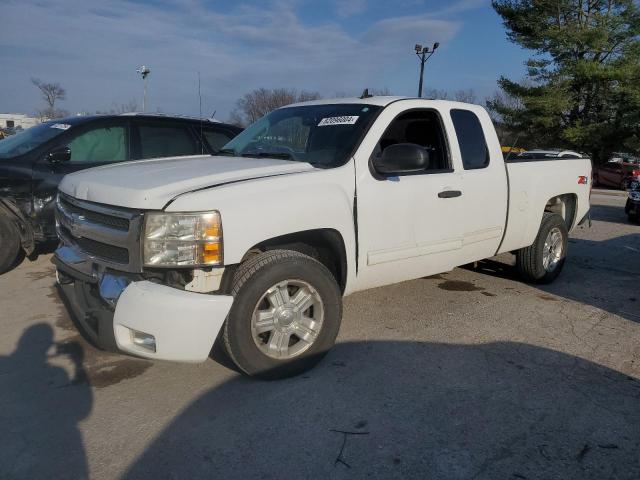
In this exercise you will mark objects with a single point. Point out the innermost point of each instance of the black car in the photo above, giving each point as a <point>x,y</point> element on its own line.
<point>632,208</point>
<point>32,164</point>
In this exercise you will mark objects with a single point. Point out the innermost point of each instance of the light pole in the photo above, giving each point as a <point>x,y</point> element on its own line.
<point>424,54</point>
<point>144,71</point>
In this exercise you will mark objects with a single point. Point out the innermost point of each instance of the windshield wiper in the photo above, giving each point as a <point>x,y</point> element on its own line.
<point>279,155</point>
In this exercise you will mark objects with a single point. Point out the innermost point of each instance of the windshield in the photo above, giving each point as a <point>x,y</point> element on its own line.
<point>322,135</point>
<point>33,137</point>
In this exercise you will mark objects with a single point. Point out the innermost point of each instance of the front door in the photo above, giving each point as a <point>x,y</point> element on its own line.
<point>409,225</point>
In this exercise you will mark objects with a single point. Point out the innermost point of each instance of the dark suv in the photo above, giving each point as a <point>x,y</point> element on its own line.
<point>33,162</point>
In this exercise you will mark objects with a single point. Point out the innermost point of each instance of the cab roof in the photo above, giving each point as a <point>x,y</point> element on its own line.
<point>381,101</point>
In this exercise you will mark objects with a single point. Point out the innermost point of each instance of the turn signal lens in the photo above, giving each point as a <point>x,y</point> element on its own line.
<point>211,253</point>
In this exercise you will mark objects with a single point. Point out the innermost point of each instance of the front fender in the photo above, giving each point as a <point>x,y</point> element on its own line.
<point>255,211</point>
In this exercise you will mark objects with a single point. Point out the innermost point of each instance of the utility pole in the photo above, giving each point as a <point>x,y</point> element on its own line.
<point>424,54</point>
<point>144,71</point>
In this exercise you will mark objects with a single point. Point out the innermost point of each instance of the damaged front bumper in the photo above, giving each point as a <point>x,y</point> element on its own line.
<point>126,313</point>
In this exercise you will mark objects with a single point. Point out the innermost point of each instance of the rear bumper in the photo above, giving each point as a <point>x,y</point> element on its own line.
<point>184,325</point>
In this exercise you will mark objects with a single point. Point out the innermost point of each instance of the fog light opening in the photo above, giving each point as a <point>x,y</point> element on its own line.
<point>144,340</point>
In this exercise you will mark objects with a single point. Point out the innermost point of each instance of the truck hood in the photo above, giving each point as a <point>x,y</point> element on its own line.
<point>152,184</point>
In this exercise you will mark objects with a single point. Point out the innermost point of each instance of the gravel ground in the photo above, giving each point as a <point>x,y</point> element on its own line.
<point>470,374</point>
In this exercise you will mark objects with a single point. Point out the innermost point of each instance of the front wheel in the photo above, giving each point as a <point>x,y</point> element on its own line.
<point>542,262</point>
<point>285,316</point>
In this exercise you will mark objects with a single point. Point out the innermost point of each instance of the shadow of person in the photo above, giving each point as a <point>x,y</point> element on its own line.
<point>40,407</point>
<point>411,410</point>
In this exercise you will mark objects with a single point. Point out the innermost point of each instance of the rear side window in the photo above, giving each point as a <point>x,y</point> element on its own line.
<point>217,139</point>
<point>99,145</point>
<point>163,141</point>
<point>473,145</point>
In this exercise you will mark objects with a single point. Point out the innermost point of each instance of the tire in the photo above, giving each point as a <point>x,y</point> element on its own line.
<point>281,275</point>
<point>531,262</point>
<point>10,247</point>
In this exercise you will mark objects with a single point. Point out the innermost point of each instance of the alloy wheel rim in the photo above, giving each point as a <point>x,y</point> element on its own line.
<point>553,250</point>
<point>287,319</point>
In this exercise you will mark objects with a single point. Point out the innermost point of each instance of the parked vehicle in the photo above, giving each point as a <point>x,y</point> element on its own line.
<point>33,162</point>
<point>617,173</point>
<point>311,203</point>
<point>632,208</point>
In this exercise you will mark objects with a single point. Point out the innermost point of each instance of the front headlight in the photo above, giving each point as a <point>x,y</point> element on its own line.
<point>182,239</point>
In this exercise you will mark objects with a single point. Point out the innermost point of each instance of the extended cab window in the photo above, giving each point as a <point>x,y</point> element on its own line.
<point>100,145</point>
<point>166,141</point>
<point>473,145</point>
<point>421,127</point>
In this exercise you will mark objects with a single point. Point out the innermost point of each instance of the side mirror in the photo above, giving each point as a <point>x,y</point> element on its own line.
<point>402,158</point>
<point>59,155</point>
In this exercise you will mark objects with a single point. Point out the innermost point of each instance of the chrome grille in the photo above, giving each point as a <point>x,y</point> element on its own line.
<point>96,217</point>
<point>109,236</point>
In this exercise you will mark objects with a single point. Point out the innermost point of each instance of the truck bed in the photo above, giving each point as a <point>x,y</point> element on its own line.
<point>539,184</point>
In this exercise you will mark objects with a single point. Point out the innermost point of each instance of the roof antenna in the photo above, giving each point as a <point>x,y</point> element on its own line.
<point>366,94</point>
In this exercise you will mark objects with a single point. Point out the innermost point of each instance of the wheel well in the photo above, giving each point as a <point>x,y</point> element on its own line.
<point>10,211</point>
<point>565,206</point>
<point>325,245</point>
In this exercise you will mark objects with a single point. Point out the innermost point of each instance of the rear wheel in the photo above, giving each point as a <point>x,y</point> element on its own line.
<point>542,262</point>
<point>10,248</point>
<point>285,316</point>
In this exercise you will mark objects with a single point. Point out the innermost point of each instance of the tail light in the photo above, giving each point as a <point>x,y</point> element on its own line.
<point>636,173</point>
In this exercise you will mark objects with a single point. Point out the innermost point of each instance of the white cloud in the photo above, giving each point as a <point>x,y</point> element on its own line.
<point>348,8</point>
<point>93,48</point>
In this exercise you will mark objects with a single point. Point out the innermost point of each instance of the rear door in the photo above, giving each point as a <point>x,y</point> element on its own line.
<point>477,154</point>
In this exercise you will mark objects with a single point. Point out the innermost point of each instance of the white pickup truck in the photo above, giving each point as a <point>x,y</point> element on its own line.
<point>255,247</point>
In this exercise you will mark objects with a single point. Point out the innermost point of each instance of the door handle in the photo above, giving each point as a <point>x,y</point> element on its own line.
<point>450,194</point>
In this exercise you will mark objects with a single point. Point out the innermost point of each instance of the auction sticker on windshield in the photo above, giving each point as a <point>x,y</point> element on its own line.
<point>348,120</point>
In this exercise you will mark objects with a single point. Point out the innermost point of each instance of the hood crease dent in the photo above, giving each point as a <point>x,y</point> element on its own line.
<point>154,184</point>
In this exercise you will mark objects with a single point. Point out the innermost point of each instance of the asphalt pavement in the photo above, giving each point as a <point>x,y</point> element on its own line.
<point>469,374</point>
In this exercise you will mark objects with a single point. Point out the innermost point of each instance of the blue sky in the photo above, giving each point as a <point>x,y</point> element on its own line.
<point>93,47</point>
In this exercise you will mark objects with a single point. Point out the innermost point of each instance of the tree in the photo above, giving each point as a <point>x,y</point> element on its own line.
<point>466,96</point>
<point>257,103</point>
<point>117,109</point>
<point>582,89</point>
<point>51,93</point>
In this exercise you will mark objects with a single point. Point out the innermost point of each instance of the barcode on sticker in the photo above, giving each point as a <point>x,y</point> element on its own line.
<point>349,120</point>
